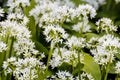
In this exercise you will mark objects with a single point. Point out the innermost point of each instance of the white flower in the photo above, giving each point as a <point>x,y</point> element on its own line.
<point>87,76</point>
<point>16,3</point>
<point>106,24</point>
<point>25,74</point>
<point>102,56</point>
<point>3,46</point>
<point>85,10</point>
<point>109,40</point>
<point>107,46</point>
<point>64,75</point>
<point>117,67</point>
<point>23,69</point>
<point>19,17</point>
<point>55,33</point>
<point>14,29</point>
<point>81,27</point>
<point>63,55</point>
<point>74,42</point>
<point>25,47</point>
<point>55,61</point>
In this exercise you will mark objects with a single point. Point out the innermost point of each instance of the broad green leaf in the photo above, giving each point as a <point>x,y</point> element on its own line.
<point>28,8</point>
<point>43,76</point>
<point>112,68</point>
<point>118,56</point>
<point>77,2</point>
<point>65,67</point>
<point>32,26</point>
<point>78,69</point>
<point>40,47</point>
<point>91,67</point>
<point>90,35</point>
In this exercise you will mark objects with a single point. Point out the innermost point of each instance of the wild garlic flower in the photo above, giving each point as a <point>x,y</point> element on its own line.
<point>106,24</point>
<point>64,75</point>
<point>7,65</point>
<point>13,29</point>
<point>22,43</point>
<point>55,33</point>
<point>75,42</point>
<point>19,17</point>
<point>106,48</point>
<point>102,56</point>
<point>62,55</point>
<point>81,27</point>
<point>43,7</point>
<point>52,12</point>
<point>23,69</point>
<point>16,3</point>
<point>1,12</point>
<point>3,46</point>
<point>109,41</point>
<point>25,47</point>
<point>85,10</point>
<point>85,76</point>
<point>57,16</point>
<point>25,74</point>
<point>117,67</point>
<point>17,6</point>
<point>92,43</point>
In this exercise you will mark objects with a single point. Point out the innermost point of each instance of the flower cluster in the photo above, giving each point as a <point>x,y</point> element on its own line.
<point>106,24</point>
<point>16,5</point>
<point>55,33</point>
<point>106,49</point>
<point>23,69</point>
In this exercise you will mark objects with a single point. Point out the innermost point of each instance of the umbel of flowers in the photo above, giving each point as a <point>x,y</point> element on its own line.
<point>68,52</point>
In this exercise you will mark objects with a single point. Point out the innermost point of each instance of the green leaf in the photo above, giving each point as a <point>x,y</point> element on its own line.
<point>91,67</point>
<point>28,8</point>
<point>77,2</point>
<point>90,35</point>
<point>78,69</point>
<point>65,66</point>
<point>31,24</point>
<point>112,68</point>
<point>32,28</point>
<point>40,47</point>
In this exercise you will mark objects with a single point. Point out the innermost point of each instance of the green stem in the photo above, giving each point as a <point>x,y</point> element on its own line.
<point>102,71</point>
<point>107,68</point>
<point>117,77</point>
<point>5,53</point>
<point>59,50</point>
<point>49,57</point>
<point>79,64</point>
<point>30,75</point>
<point>108,5</point>
<point>9,50</point>
<point>11,47</point>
